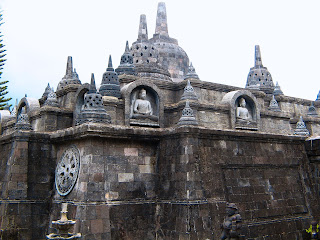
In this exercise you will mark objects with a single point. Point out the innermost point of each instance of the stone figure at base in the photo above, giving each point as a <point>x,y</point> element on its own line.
<point>232,223</point>
<point>242,111</point>
<point>142,107</point>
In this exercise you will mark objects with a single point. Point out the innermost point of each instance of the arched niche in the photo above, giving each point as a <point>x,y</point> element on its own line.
<point>131,92</point>
<point>243,117</point>
<point>80,100</point>
<point>29,104</point>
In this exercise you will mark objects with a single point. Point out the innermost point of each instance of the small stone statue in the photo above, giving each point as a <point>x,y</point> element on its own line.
<point>242,111</point>
<point>142,107</point>
<point>232,223</point>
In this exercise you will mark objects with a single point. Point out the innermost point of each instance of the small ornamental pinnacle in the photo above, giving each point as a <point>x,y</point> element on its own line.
<point>46,91</point>
<point>187,117</point>
<point>51,99</point>
<point>312,111</point>
<point>110,85</point>
<point>126,63</point>
<point>189,92</point>
<point>274,106</point>
<point>301,128</point>
<point>191,73</point>
<point>277,90</point>
<point>71,76</point>
<point>23,121</point>
<point>92,110</point>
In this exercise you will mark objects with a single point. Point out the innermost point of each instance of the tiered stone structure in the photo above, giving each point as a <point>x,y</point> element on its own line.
<point>126,64</point>
<point>110,85</point>
<point>259,77</point>
<point>142,175</point>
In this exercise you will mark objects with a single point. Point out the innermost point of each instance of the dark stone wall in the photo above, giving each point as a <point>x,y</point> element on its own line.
<point>139,183</point>
<point>27,181</point>
<point>115,191</point>
<point>269,178</point>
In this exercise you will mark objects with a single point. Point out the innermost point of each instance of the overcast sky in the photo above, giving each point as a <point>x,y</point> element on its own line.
<point>218,36</point>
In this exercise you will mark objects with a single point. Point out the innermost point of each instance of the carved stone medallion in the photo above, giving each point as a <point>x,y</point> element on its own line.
<point>67,170</point>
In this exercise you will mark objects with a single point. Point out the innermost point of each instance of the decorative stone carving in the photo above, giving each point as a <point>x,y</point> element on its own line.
<point>126,64</point>
<point>244,110</point>
<point>277,90</point>
<point>274,106</point>
<point>92,110</point>
<point>189,92</point>
<point>67,170</point>
<point>187,117</point>
<point>312,111</point>
<point>51,99</point>
<point>232,223</point>
<point>71,76</point>
<point>23,121</point>
<point>301,128</point>
<point>191,73</point>
<point>110,85</point>
<point>142,110</point>
<point>259,78</point>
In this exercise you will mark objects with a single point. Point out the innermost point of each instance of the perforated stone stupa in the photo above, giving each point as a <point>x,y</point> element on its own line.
<point>158,153</point>
<point>259,77</point>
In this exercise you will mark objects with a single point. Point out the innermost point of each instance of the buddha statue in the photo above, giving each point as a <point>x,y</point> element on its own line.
<point>142,107</point>
<point>242,113</point>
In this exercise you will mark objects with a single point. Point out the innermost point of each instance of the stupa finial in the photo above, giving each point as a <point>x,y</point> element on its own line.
<point>92,88</point>
<point>127,47</point>
<point>110,67</point>
<point>161,23</point>
<point>69,70</point>
<point>143,30</point>
<point>257,57</point>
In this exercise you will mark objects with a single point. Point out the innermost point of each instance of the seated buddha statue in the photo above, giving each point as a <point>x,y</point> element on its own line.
<point>142,107</point>
<point>242,113</point>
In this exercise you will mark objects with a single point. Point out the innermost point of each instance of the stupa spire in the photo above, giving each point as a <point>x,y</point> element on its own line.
<point>127,47</point>
<point>143,30</point>
<point>92,88</point>
<point>69,70</point>
<point>161,23</point>
<point>257,57</point>
<point>110,67</point>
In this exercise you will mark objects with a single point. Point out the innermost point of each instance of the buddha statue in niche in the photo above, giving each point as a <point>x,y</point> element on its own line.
<point>242,113</point>
<point>142,108</point>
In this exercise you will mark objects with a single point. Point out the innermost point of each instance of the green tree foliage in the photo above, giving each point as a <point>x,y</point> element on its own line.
<point>3,87</point>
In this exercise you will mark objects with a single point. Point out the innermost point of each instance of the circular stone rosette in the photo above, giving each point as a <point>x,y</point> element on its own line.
<point>67,170</point>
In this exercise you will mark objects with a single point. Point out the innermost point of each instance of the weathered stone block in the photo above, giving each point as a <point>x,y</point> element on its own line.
<point>125,177</point>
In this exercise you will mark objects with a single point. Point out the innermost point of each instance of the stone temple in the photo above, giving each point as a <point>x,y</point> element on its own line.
<point>158,153</point>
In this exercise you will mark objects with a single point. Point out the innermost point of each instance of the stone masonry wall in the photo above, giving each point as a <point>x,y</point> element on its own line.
<point>26,186</point>
<point>115,189</point>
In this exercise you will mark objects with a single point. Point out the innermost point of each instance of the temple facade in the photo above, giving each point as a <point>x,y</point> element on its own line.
<point>156,152</point>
